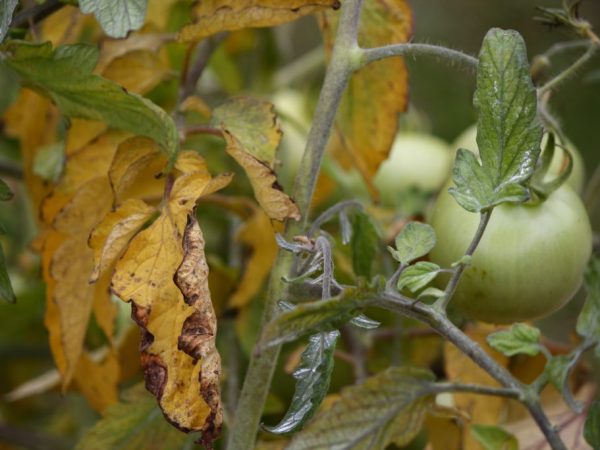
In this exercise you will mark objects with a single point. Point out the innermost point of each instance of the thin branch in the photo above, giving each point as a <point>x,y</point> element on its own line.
<point>478,389</point>
<point>391,283</point>
<point>203,129</point>
<point>36,13</point>
<point>407,49</point>
<point>458,271</point>
<point>569,71</point>
<point>561,47</point>
<point>331,213</point>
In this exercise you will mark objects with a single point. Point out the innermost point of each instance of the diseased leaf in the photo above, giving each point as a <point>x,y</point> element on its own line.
<point>591,430</point>
<point>7,7</point>
<point>312,375</point>
<point>5,192</point>
<point>213,16</point>
<point>387,408</point>
<point>322,315</point>
<point>418,276</point>
<point>258,233</point>
<point>494,438</point>
<point>117,17</point>
<point>134,424</point>
<point>110,237</point>
<point>6,291</point>
<point>178,355</point>
<point>508,129</point>
<point>588,322</point>
<point>198,335</point>
<point>520,338</point>
<point>414,241</point>
<point>367,120</point>
<point>252,135</point>
<point>65,75</point>
<point>364,244</point>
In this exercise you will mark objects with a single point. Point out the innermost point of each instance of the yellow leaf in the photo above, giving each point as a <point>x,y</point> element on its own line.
<point>64,26</point>
<point>212,16</point>
<point>137,161</point>
<point>368,115</point>
<point>111,236</point>
<point>258,234</point>
<point>252,135</point>
<point>82,132</point>
<point>138,71</point>
<point>111,49</point>
<point>98,380</point>
<point>484,410</point>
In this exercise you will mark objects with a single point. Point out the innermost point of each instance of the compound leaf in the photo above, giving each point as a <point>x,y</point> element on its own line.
<point>387,408</point>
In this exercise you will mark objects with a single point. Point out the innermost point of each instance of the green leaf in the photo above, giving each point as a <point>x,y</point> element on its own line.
<point>591,430</point>
<point>494,438</point>
<point>520,338</point>
<point>49,161</point>
<point>5,192</point>
<point>7,7</point>
<point>323,315</point>
<point>558,369</point>
<point>431,292</point>
<point>65,75</point>
<point>364,244</point>
<point>415,240</point>
<point>313,375</point>
<point>135,424</point>
<point>6,291</point>
<point>508,129</point>
<point>387,408</point>
<point>116,17</point>
<point>588,322</point>
<point>418,276</point>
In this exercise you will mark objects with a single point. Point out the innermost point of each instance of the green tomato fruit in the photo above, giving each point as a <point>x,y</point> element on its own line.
<point>416,161</point>
<point>467,140</point>
<point>529,262</point>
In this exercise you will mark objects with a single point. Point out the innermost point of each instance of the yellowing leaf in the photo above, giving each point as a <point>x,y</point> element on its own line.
<point>368,115</point>
<point>136,161</point>
<point>111,49</point>
<point>138,71</point>
<point>252,134</point>
<point>98,380</point>
<point>484,410</point>
<point>111,236</point>
<point>82,132</point>
<point>258,234</point>
<point>212,16</point>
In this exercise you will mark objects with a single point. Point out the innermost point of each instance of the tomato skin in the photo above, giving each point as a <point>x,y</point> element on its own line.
<point>529,263</point>
<point>416,160</point>
<point>467,139</point>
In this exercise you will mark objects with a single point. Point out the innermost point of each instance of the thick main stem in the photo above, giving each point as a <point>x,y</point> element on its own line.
<point>260,370</point>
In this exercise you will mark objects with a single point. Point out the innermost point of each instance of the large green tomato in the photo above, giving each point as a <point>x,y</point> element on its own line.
<point>467,139</point>
<point>416,160</point>
<point>529,262</point>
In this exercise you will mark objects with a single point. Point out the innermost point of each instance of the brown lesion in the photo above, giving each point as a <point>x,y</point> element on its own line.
<point>155,374</point>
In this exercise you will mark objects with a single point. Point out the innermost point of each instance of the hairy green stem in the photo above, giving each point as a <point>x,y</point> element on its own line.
<point>262,364</point>
<point>569,71</point>
<point>458,271</point>
<point>408,49</point>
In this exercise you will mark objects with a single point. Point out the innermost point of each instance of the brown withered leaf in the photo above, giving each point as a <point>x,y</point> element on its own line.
<point>198,335</point>
<point>213,16</point>
<point>259,235</point>
<point>111,236</point>
<point>368,117</point>
<point>252,135</point>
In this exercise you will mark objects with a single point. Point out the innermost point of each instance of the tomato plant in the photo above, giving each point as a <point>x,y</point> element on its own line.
<point>529,263</point>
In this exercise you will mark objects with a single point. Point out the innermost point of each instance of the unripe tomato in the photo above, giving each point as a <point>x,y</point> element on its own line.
<point>467,140</point>
<point>529,262</point>
<point>416,160</point>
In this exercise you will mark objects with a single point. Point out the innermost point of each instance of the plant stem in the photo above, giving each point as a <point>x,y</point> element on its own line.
<point>36,13</point>
<point>569,71</point>
<point>484,219</point>
<point>442,325</point>
<point>11,171</point>
<point>260,370</point>
<point>407,49</point>
<point>478,389</point>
